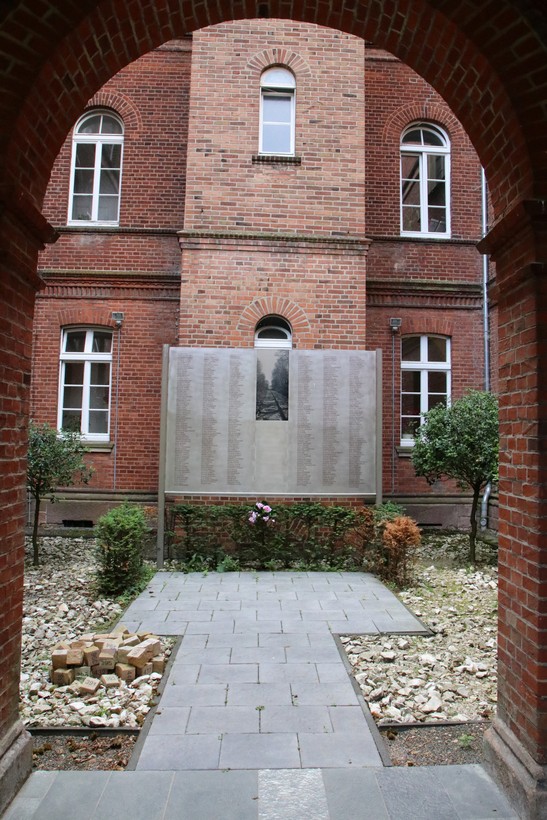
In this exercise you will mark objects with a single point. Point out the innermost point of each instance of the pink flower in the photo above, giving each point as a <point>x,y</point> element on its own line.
<point>266,518</point>
<point>266,509</point>
<point>259,505</point>
<point>252,517</point>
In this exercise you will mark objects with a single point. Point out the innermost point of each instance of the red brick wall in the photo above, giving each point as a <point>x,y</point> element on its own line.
<point>150,320</point>
<point>151,97</point>
<point>225,190</point>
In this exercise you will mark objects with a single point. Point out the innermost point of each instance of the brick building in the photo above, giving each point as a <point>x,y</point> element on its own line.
<point>261,178</point>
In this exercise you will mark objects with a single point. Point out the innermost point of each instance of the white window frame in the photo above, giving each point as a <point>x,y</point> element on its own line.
<point>424,367</point>
<point>99,140</point>
<point>279,326</point>
<point>87,357</point>
<point>275,82</point>
<point>423,152</point>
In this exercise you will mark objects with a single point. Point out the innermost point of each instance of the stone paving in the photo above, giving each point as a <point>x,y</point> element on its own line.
<point>259,718</point>
<point>258,681</point>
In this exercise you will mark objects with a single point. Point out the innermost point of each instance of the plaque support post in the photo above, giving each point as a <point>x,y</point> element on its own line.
<point>163,441</point>
<point>379,409</point>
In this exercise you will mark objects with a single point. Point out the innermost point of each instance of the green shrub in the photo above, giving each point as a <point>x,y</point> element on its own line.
<point>121,535</point>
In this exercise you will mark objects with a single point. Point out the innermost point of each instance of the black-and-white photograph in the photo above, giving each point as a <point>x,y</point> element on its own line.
<point>272,385</point>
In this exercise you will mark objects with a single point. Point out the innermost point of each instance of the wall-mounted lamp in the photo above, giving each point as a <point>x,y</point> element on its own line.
<point>395,324</point>
<point>117,317</point>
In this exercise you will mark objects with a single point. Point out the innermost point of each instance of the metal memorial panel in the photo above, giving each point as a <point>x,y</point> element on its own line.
<point>298,422</point>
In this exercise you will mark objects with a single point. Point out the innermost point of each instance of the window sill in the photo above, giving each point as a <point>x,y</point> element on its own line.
<point>424,235</point>
<point>404,450</point>
<point>89,223</point>
<point>98,446</point>
<point>276,159</point>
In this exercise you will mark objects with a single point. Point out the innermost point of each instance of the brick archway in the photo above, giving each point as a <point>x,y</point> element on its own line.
<point>490,65</point>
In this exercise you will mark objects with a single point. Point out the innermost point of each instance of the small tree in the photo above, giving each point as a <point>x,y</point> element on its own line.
<point>461,442</point>
<point>54,460</point>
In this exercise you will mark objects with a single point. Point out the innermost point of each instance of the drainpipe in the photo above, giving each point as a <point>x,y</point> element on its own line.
<point>485,330</point>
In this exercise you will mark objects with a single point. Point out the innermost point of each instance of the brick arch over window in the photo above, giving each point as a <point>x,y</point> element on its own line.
<point>430,326</point>
<point>120,105</point>
<point>99,317</point>
<point>280,56</point>
<point>276,306</point>
<point>407,114</point>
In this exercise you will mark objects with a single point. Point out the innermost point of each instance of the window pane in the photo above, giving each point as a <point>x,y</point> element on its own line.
<point>71,420</point>
<point>98,421</point>
<point>433,401</point>
<point>410,381</point>
<point>72,397</point>
<point>110,125</point>
<point>410,404</point>
<point>411,349</point>
<point>102,342</point>
<point>81,207</point>
<point>410,166</point>
<point>85,155</point>
<point>276,139</point>
<point>272,333</point>
<point>91,125</point>
<point>100,373</point>
<point>411,193</point>
<point>435,167</point>
<point>98,398</point>
<point>111,156</point>
<point>437,382</point>
<point>409,425</point>
<point>74,373</point>
<point>83,182</point>
<point>279,77</point>
<point>75,341</point>
<point>109,182</point>
<point>436,220</point>
<point>432,138</point>
<point>276,109</point>
<point>436,349</point>
<point>108,209</point>
<point>414,136</point>
<point>436,193</point>
<point>411,218</point>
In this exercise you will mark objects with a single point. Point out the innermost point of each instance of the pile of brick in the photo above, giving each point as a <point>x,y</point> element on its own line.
<point>107,659</point>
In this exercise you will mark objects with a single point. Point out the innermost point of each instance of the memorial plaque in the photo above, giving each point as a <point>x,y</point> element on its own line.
<point>271,422</point>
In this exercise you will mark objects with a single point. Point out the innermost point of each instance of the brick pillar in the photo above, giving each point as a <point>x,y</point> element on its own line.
<point>22,233</point>
<point>516,746</point>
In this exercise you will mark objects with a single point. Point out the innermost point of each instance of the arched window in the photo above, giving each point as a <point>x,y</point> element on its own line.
<point>425,379</point>
<point>273,332</point>
<point>97,149</point>
<point>84,384</point>
<point>277,112</point>
<point>425,181</point>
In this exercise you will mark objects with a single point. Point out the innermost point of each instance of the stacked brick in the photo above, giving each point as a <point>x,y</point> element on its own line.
<point>107,659</point>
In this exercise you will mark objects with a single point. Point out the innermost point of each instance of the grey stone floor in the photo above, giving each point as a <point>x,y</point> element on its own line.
<point>258,717</point>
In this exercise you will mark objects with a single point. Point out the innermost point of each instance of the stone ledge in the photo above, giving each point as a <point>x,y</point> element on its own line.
<point>15,762</point>
<point>522,779</point>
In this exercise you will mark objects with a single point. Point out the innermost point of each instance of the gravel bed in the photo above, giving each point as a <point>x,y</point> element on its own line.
<point>59,604</point>
<point>450,676</point>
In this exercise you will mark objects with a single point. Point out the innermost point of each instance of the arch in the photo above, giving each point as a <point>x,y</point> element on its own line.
<point>270,57</point>
<point>290,311</point>
<point>494,103</point>
<point>401,119</point>
<point>489,63</point>
<point>121,105</point>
